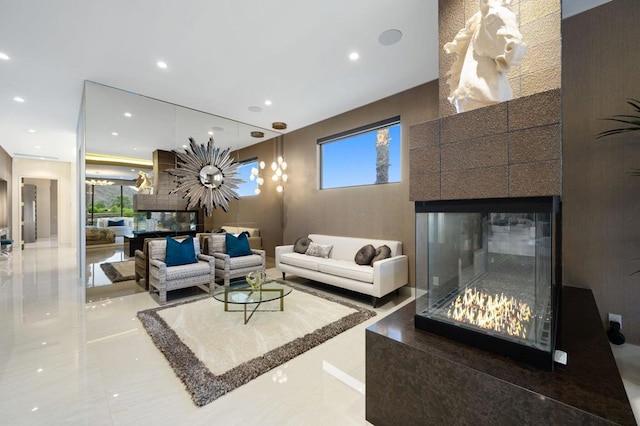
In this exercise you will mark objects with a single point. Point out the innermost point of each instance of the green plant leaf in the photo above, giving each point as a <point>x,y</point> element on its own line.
<point>632,120</point>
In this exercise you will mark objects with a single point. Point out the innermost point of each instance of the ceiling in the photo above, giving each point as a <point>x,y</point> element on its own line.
<point>223,57</point>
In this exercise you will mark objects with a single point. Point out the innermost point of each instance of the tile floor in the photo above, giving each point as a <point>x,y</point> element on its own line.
<point>66,362</point>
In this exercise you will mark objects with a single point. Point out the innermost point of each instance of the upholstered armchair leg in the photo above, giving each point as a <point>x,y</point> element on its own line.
<point>283,274</point>
<point>374,301</point>
<point>162,296</point>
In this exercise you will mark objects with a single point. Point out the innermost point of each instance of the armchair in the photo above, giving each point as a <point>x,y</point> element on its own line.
<point>227,267</point>
<point>141,264</point>
<point>163,278</point>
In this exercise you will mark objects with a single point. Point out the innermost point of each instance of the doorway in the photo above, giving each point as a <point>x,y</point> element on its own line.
<point>39,210</point>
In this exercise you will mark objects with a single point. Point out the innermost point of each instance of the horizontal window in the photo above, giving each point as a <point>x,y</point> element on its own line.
<point>368,155</point>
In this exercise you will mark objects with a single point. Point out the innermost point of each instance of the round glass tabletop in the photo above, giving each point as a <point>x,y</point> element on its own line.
<point>241,293</point>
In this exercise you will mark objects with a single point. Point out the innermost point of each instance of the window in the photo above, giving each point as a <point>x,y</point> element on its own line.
<point>109,201</point>
<point>367,155</point>
<point>248,187</point>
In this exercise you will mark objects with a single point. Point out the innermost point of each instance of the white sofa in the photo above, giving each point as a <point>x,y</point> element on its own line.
<point>120,231</point>
<point>341,270</point>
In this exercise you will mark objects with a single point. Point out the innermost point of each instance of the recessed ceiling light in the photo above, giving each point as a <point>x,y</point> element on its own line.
<point>255,108</point>
<point>114,133</point>
<point>184,146</point>
<point>390,37</point>
<point>128,114</point>
<point>210,132</point>
<point>18,99</point>
<point>135,149</point>
<point>31,131</point>
<point>37,146</point>
<point>267,102</point>
<point>4,56</point>
<point>161,64</point>
<point>133,170</point>
<point>354,56</point>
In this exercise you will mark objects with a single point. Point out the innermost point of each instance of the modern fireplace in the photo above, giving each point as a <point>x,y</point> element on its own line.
<point>488,274</point>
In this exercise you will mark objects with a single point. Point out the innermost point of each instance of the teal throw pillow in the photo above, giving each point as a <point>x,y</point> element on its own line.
<point>237,246</point>
<point>180,252</point>
<point>115,222</point>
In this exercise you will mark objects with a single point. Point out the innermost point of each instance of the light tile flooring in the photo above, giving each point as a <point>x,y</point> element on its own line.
<point>66,362</point>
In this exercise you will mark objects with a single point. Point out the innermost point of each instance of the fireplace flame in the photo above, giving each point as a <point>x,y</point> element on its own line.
<point>498,312</point>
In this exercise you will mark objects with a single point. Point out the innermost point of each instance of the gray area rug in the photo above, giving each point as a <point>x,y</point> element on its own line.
<point>119,271</point>
<point>204,386</point>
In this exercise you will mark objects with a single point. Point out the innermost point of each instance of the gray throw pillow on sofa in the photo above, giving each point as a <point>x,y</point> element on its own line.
<point>382,252</point>
<point>365,254</point>
<point>301,245</point>
<point>319,250</point>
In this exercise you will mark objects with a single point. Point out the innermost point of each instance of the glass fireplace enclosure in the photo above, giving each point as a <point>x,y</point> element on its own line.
<point>486,274</point>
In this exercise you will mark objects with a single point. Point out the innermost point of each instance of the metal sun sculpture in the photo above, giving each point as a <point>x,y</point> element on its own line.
<point>206,176</point>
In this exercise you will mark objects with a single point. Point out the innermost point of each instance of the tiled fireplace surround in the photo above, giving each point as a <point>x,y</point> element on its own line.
<point>512,149</point>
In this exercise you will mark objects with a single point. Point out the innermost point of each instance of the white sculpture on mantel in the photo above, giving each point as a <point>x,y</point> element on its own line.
<point>487,47</point>
<point>143,183</point>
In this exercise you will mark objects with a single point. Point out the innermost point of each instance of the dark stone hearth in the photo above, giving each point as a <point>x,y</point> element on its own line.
<point>435,380</point>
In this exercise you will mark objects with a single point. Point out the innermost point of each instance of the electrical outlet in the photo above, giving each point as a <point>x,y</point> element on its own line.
<point>616,318</point>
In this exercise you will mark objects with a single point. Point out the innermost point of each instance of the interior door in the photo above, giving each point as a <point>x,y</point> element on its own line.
<point>29,209</point>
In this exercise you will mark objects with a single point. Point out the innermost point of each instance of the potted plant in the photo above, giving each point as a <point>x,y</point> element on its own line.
<point>633,122</point>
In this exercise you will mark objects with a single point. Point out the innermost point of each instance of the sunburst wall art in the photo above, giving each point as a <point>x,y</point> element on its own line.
<point>206,176</point>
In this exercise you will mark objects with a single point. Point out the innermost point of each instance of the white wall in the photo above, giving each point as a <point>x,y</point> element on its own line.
<point>64,173</point>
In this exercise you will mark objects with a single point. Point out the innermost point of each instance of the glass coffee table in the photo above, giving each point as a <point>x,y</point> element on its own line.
<point>241,293</point>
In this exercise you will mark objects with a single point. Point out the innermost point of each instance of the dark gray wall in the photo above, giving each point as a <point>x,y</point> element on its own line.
<point>263,211</point>
<point>377,211</point>
<point>601,204</point>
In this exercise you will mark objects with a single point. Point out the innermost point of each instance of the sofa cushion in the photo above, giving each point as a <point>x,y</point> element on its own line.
<point>240,262</point>
<point>300,260</point>
<point>347,269</point>
<point>180,252</point>
<point>237,246</point>
<point>182,272</point>
<point>319,250</point>
<point>365,254</point>
<point>301,245</point>
<point>382,252</point>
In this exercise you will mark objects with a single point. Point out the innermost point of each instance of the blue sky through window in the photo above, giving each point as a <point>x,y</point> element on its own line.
<point>248,187</point>
<point>351,161</point>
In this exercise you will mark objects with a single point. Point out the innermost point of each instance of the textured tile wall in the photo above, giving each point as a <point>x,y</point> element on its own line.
<point>512,149</point>
<point>540,22</point>
<point>163,183</point>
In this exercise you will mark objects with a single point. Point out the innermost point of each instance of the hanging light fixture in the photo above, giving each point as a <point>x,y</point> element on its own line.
<point>279,166</point>
<point>255,176</point>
